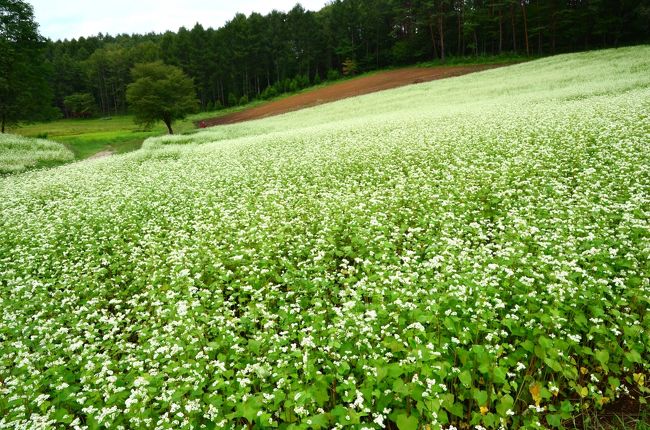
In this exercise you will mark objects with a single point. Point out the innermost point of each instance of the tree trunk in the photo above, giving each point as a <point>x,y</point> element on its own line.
<point>539,34</point>
<point>442,34</point>
<point>377,46</point>
<point>514,30</point>
<point>500,31</point>
<point>101,95</point>
<point>114,97</point>
<point>168,123</point>
<point>433,41</point>
<point>460,52</point>
<point>3,123</point>
<point>553,26</point>
<point>523,11</point>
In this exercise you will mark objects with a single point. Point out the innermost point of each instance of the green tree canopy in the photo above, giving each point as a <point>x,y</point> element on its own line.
<point>80,105</point>
<point>24,90</point>
<point>160,93</point>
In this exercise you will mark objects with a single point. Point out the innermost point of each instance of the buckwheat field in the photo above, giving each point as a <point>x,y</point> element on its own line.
<point>18,154</point>
<point>471,252</point>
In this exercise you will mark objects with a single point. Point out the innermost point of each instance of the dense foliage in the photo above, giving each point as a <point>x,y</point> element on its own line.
<point>18,153</point>
<point>160,93</point>
<point>24,91</point>
<point>262,56</point>
<point>468,250</point>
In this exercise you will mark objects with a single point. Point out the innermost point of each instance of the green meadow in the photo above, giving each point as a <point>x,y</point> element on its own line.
<point>86,137</point>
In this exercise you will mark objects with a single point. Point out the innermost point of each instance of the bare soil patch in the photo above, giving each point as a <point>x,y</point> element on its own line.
<point>350,88</point>
<point>101,154</point>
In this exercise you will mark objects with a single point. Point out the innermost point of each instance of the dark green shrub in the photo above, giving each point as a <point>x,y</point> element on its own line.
<point>333,75</point>
<point>350,67</point>
<point>302,81</point>
<point>80,105</point>
<point>269,92</point>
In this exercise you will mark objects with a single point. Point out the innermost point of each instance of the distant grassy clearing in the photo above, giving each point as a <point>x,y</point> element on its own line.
<point>117,134</point>
<point>86,137</point>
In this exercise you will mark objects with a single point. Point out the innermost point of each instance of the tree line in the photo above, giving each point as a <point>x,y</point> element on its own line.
<point>260,56</point>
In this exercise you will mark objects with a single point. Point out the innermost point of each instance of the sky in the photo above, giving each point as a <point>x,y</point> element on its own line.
<point>67,19</point>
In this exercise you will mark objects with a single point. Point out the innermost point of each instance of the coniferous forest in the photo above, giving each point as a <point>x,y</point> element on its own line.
<point>261,56</point>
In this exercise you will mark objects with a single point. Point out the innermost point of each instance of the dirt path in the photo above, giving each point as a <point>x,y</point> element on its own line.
<point>101,154</point>
<point>353,87</point>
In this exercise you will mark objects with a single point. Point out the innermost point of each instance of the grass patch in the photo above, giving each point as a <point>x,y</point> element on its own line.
<point>480,59</point>
<point>118,134</point>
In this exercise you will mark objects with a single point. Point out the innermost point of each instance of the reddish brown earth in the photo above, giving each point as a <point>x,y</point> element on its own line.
<point>350,88</point>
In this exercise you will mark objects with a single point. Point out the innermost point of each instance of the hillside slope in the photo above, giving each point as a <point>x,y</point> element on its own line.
<point>470,250</point>
<point>377,81</point>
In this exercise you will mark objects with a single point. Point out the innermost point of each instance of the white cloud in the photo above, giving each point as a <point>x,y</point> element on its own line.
<point>76,18</point>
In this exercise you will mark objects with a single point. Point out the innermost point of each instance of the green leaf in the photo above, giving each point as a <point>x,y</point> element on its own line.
<point>602,356</point>
<point>395,370</point>
<point>62,416</point>
<point>481,397</point>
<point>339,411</point>
<point>545,343</point>
<point>583,391</point>
<point>528,345</point>
<point>319,421</point>
<point>505,404</point>
<point>554,420</point>
<point>249,409</point>
<point>566,407</point>
<point>553,364</point>
<point>405,422</point>
<point>499,375</point>
<point>465,378</point>
<point>633,356</point>
<point>401,388</point>
<point>320,393</point>
<point>456,409</point>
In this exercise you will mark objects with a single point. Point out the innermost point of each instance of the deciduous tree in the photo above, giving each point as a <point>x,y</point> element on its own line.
<point>160,92</point>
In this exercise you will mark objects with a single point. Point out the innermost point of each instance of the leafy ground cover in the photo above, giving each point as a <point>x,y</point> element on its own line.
<point>462,253</point>
<point>18,153</point>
